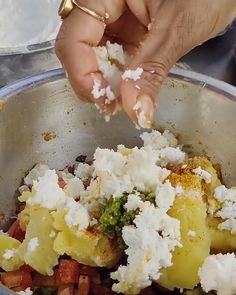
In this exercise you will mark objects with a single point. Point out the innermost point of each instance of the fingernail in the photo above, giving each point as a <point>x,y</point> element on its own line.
<point>145,110</point>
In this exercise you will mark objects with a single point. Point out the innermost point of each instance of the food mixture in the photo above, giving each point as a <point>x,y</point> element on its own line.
<point>144,220</point>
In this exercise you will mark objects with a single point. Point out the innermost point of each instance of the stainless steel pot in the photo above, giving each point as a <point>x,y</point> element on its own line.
<point>199,109</point>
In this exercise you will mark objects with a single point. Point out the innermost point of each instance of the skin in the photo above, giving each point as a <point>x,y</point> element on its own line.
<point>155,33</point>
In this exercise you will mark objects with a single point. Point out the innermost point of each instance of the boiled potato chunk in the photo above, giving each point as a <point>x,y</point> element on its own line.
<point>209,188</point>
<point>191,212</point>
<point>39,254</point>
<point>9,244</point>
<point>25,215</point>
<point>90,248</point>
<point>221,240</point>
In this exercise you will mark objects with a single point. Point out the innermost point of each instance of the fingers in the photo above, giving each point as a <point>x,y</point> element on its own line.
<point>155,58</point>
<point>78,34</point>
<point>156,55</point>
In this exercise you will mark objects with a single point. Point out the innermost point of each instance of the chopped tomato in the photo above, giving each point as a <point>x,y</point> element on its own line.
<point>17,278</point>
<point>46,281</point>
<point>61,183</point>
<point>26,268</point>
<point>16,232</point>
<point>17,289</point>
<point>88,270</point>
<point>26,280</point>
<point>66,290</point>
<point>70,169</point>
<point>68,272</point>
<point>84,285</point>
<point>100,290</point>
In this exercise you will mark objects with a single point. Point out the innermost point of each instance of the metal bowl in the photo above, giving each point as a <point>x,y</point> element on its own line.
<point>199,109</point>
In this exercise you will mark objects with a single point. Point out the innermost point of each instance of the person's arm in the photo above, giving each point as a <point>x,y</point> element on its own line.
<point>156,33</point>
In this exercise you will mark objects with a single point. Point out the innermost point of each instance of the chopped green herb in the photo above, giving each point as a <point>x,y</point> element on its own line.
<point>115,217</point>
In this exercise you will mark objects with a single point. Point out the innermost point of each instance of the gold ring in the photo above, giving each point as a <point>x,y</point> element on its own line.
<point>90,12</point>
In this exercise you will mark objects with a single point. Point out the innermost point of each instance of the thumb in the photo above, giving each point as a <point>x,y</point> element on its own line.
<point>155,56</point>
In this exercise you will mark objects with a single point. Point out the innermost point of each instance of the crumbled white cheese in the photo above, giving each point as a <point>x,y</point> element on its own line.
<point>110,70</point>
<point>134,202</point>
<point>97,91</point>
<point>107,118</point>
<point>77,215</point>
<point>93,222</point>
<point>227,198</point>
<point>47,192</point>
<point>143,120</point>
<point>65,175</point>
<point>107,15</point>
<point>110,94</point>
<point>218,273</point>
<point>206,176</point>
<point>229,224</point>
<point>52,234</point>
<point>165,195</point>
<point>165,145</point>
<point>116,52</point>
<point>228,210</point>
<point>83,171</point>
<point>153,230</point>
<point>34,174</point>
<point>9,253</point>
<point>224,194</point>
<point>26,292</point>
<point>74,187</point>
<point>132,74</point>
<point>137,106</point>
<point>158,140</point>
<point>141,167</point>
<point>33,244</point>
<point>118,173</point>
<point>172,156</point>
<point>191,233</point>
<point>109,161</point>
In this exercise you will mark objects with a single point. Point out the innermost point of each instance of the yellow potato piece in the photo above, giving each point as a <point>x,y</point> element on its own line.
<point>88,247</point>
<point>208,188</point>
<point>26,196</point>
<point>221,240</point>
<point>13,263</point>
<point>59,221</point>
<point>25,215</point>
<point>43,258</point>
<point>191,212</point>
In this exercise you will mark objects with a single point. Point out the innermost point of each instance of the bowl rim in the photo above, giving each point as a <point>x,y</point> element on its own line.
<point>27,49</point>
<point>202,80</point>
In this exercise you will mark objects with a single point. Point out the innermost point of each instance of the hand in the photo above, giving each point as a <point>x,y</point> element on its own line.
<point>155,33</point>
